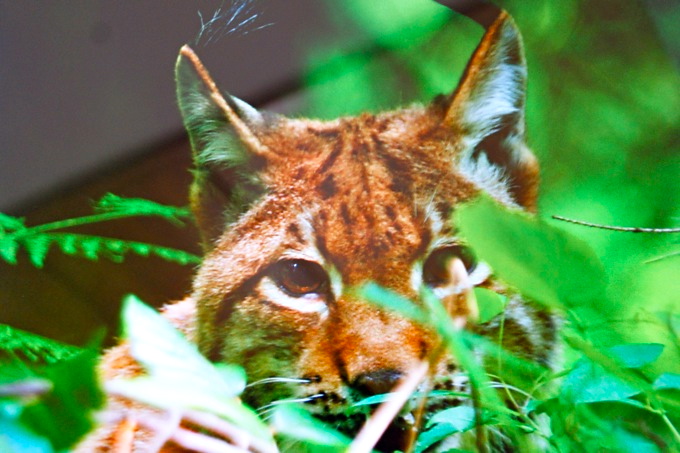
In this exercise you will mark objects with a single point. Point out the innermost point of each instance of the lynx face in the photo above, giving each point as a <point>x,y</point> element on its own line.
<point>295,213</point>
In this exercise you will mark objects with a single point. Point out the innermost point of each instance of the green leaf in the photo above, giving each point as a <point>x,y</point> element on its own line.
<point>543,262</point>
<point>636,355</point>
<point>621,440</point>
<point>164,351</point>
<point>667,381</point>
<point>490,304</point>
<point>445,423</point>
<point>461,418</point>
<point>296,423</point>
<point>172,362</point>
<point>589,383</point>
<point>428,438</point>
<point>63,415</point>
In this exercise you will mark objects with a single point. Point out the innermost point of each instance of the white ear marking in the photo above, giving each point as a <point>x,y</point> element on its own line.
<point>486,176</point>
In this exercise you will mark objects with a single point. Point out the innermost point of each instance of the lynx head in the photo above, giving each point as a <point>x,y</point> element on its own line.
<point>295,213</point>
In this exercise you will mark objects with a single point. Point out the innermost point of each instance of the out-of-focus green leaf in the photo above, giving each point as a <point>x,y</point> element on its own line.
<point>298,424</point>
<point>461,418</point>
<point>543,262</point>
<point>667,381</point>
<point>173,363</point>
<point>490,303</point>
<point>636,355</point>
<point>437,433</point>
<point>621,440</point>
<point>398,22</point>
<point>15,438</point>
<point>163,351</point>
<point>588,383</point>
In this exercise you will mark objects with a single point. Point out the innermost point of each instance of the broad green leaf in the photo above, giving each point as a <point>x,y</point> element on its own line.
<point>172,362</point>
<point>542,261</point>
<point>296,423</point>
<point>635,355</point>
<point>489,303</point>
<point>589,383</point>
<point>667,381</point>
<point>165,352</point>
<point>623,441</point>
<point>445,423</point>
<point>433,435</point>
<point>461,418</point>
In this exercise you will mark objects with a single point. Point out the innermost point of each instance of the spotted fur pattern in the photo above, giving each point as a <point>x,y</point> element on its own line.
<point>358,199</point>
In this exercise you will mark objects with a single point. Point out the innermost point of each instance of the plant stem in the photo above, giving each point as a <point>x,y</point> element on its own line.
<point>69,223</point>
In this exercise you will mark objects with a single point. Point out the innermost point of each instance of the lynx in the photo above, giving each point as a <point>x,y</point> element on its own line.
<point>295,213</point>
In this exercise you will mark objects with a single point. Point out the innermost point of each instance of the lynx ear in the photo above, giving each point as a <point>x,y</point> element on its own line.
<point>226,149</point>
<point>487,111</point>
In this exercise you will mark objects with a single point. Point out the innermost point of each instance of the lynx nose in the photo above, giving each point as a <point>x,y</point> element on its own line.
<point>377,382</point>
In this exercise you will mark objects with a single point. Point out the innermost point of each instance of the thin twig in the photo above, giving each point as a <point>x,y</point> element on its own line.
<point>617,228</point>
<point>375,426</point>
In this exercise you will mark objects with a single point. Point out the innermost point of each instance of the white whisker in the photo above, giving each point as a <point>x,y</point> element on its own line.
<point>271,406</point>
<point>499,385</point>
<point>275,380</point>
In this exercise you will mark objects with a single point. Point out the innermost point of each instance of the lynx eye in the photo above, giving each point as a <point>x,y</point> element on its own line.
<point>436,267</point>
<point>300,277</point>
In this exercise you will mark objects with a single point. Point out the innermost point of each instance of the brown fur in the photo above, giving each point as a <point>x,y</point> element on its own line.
<point>370,196</point>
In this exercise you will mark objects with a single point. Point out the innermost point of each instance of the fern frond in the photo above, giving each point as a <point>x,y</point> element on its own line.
<point>113,204</point>
<point>8,222</point>
<point>37,240</point>
<point>16,344</point>
<point>95,247</point>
